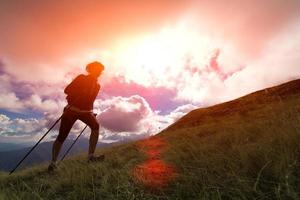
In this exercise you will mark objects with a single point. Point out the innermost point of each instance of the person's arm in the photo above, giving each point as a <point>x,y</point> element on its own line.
<point>73,85</point>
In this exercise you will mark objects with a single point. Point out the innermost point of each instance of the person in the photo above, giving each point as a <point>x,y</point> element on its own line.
<point>81,94</point>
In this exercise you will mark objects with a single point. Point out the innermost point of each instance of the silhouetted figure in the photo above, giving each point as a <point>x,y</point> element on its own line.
<point>81,94</point>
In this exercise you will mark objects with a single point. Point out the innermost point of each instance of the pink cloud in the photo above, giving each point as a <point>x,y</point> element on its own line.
<point>159,98</point>
<point>124,114</point>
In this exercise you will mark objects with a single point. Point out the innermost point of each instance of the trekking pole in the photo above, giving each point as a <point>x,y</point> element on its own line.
<point>12,171</point>
<point>73,143</point>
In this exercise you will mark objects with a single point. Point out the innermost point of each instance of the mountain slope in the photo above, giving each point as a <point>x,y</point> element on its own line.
<point>243,149</point>
<point>241,106</point>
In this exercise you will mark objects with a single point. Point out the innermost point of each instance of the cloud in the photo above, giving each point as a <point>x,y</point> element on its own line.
<point>180,111</point>
<point>48,105</point>
<point>248,24</point>
<point>20,96</point>
<point>221,80</point>
<point>20,130</point>
<point>279,63</point>
<point>124,114</point>
<point>121,122</point>
<point>20,127</point>
<point>128,115</point>
<point>9,101</point>
<point>160,122</point>
<point>120,118</point>
<point>159,98</point>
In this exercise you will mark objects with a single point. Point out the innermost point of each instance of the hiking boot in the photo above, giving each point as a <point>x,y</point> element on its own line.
<point>96,158</point>
<point>52,167</point>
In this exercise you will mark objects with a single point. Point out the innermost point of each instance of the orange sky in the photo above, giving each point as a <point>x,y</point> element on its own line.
<point>162,57</point>
<point>41,35</point>
<point>45,30</point>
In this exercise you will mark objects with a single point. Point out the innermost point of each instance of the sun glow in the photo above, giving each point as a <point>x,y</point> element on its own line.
<point>154,55</point>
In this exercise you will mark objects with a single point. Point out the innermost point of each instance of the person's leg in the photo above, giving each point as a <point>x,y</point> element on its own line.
<point>91,121</point>
<point>67,121</point>
<point>93,142</point>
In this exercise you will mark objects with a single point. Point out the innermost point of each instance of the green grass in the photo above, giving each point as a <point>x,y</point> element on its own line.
<point>245,149</point>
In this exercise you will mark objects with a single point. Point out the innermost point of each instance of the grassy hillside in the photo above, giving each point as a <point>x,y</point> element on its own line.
<point>244,149</point>
<point>9,159</point>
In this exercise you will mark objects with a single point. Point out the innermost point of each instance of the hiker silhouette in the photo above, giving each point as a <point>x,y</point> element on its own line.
<point>81,94</point>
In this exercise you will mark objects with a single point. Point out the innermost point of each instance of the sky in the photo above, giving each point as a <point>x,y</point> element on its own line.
<point>162,58</point>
